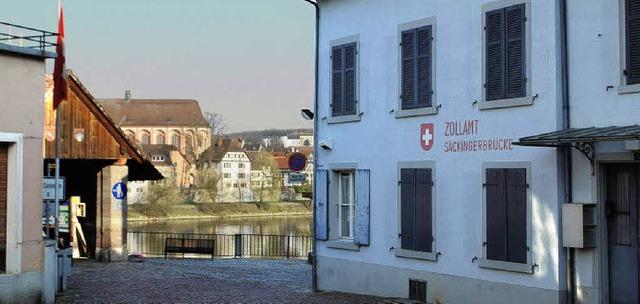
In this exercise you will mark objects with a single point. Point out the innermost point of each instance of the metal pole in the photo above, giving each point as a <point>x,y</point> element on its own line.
<point>315,143</point>
<point>57,178</point>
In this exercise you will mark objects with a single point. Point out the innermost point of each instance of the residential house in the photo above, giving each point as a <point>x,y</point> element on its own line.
<point>233,166</point>
<point>171,163</point>
<point>177,122</point>
<point>27,272</point>
<point>426,179</point>
<point>297,140</point>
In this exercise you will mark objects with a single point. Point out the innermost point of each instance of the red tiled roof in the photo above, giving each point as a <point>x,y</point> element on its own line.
<point>155,112</point>
<point>283,162</point>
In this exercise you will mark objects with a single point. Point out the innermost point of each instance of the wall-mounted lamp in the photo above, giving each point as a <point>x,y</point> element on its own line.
<point>78,135</point>
<point>307,114</point>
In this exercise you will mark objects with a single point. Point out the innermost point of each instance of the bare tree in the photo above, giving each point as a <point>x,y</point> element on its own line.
<point>208,184</point>
<point>217,123</point>
<point>269,183</point>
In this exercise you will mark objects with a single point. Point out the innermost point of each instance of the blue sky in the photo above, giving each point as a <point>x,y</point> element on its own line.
<point>249,60</point>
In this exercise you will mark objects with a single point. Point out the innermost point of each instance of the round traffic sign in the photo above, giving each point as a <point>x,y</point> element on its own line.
<point>297,162</point>
<point>119,190</point>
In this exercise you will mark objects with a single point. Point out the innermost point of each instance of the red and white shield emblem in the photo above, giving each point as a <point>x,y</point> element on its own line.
<point>426,136</point>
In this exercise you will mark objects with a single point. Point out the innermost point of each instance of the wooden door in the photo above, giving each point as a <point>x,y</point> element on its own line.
<point>622,230</point>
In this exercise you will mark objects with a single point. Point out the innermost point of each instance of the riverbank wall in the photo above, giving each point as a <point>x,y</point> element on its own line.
<point>140,212</point>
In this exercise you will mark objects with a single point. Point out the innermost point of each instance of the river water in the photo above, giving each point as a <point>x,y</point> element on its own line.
<point>274,225</point>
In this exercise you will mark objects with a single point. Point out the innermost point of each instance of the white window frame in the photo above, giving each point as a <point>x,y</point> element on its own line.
<point>335,241</point>
<point>350,203</point>
<point>624,88</point>
<point>433,109</point>
<point>15,176</point>
<point>412,254</point>
<point>344,118</point>
<point>504,265</point>
<point>527,100</point>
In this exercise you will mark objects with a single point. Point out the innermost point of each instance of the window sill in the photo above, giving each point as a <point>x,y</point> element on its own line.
<point>506,266</point>
<point>343,119</point>
<point>505,103</point>
<point>418,255</point>
<point>344,245</point>
<point>629,88</point>
<point>417,112</point>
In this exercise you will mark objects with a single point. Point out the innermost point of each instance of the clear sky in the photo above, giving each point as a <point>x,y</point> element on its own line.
<point>249,60</point>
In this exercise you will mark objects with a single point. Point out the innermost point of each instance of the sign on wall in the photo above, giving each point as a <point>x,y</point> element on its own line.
<point>462,136</point>
<point>49,188</point>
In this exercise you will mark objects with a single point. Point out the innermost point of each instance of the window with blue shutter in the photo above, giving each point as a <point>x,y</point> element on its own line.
<point>321,204</point>
<point>416,53</point>
<point>416,219</point>
<point>505,60</point>
<point>632,33</point>
<point>506,214</point>
<point>344,80</point>
<point>361,227</point>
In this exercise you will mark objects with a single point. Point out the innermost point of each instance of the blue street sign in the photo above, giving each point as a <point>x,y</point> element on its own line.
<point>119,190</point>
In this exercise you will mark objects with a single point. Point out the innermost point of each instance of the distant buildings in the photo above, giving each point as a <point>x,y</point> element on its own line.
<point>177,122</point>
<point>231,164</point>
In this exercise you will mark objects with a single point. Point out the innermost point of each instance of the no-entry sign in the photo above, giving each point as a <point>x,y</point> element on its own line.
<point>297,162</point>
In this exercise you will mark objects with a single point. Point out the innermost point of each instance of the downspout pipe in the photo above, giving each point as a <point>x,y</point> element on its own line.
<point>566,124</point>
<point>315,143</point>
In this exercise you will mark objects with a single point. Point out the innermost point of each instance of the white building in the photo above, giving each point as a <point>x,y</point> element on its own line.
<point>233,166</point>
<point>421,191</point>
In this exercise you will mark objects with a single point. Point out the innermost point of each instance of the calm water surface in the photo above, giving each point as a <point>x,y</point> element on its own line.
<point>276,225</point>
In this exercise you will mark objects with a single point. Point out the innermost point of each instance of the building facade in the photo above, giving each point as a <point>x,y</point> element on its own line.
<point>419,183</point>
<point>232,166</point>
<point>177,122</point>
<point>23,266</point>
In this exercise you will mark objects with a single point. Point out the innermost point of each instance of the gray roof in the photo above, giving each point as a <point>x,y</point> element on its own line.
<point>585,135</point>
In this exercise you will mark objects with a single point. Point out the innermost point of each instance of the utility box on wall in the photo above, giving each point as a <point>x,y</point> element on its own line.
<point>579,225</point>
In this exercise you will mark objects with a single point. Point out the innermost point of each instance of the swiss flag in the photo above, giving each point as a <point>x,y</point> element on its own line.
<point>59,70</point>
<point>426,136</point>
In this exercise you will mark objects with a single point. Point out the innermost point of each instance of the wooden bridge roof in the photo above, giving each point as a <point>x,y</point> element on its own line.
<point>81,113</point>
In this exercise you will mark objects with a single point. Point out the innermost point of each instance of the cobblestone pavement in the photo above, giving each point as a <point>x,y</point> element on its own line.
<point>159,280</point>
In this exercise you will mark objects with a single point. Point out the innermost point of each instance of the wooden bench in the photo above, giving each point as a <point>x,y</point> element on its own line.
<point>180,245</point>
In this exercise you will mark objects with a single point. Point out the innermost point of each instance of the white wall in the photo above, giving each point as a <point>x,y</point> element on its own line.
<point>594,43</point>
<point>236,194</point>
<point>380,140</point>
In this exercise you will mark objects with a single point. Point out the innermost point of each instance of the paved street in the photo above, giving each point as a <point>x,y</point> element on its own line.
<point>198,281</point>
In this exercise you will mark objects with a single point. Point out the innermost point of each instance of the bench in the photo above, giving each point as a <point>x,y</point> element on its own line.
<point>181,245</point>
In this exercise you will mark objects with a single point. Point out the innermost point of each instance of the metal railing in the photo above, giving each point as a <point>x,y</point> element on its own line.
<point>26,36</point>
<point>226,245</point>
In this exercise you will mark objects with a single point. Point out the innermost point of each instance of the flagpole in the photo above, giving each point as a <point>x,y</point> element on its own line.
<point>57,178</point>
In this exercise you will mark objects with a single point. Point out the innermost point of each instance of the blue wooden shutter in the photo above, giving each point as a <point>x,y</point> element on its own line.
<point>337,94</point>
<point>407,208</point>
<point>632,32</point>
<point>321,204</point>
<point>423,212</point>
<point>361,225</point>
<point>496,215</point>
<point>350,79</point>
<point>516,180</point>
<point>408,80</point>
<point>424,90</point>
<point>515,51</point>
<point>494,61</point>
